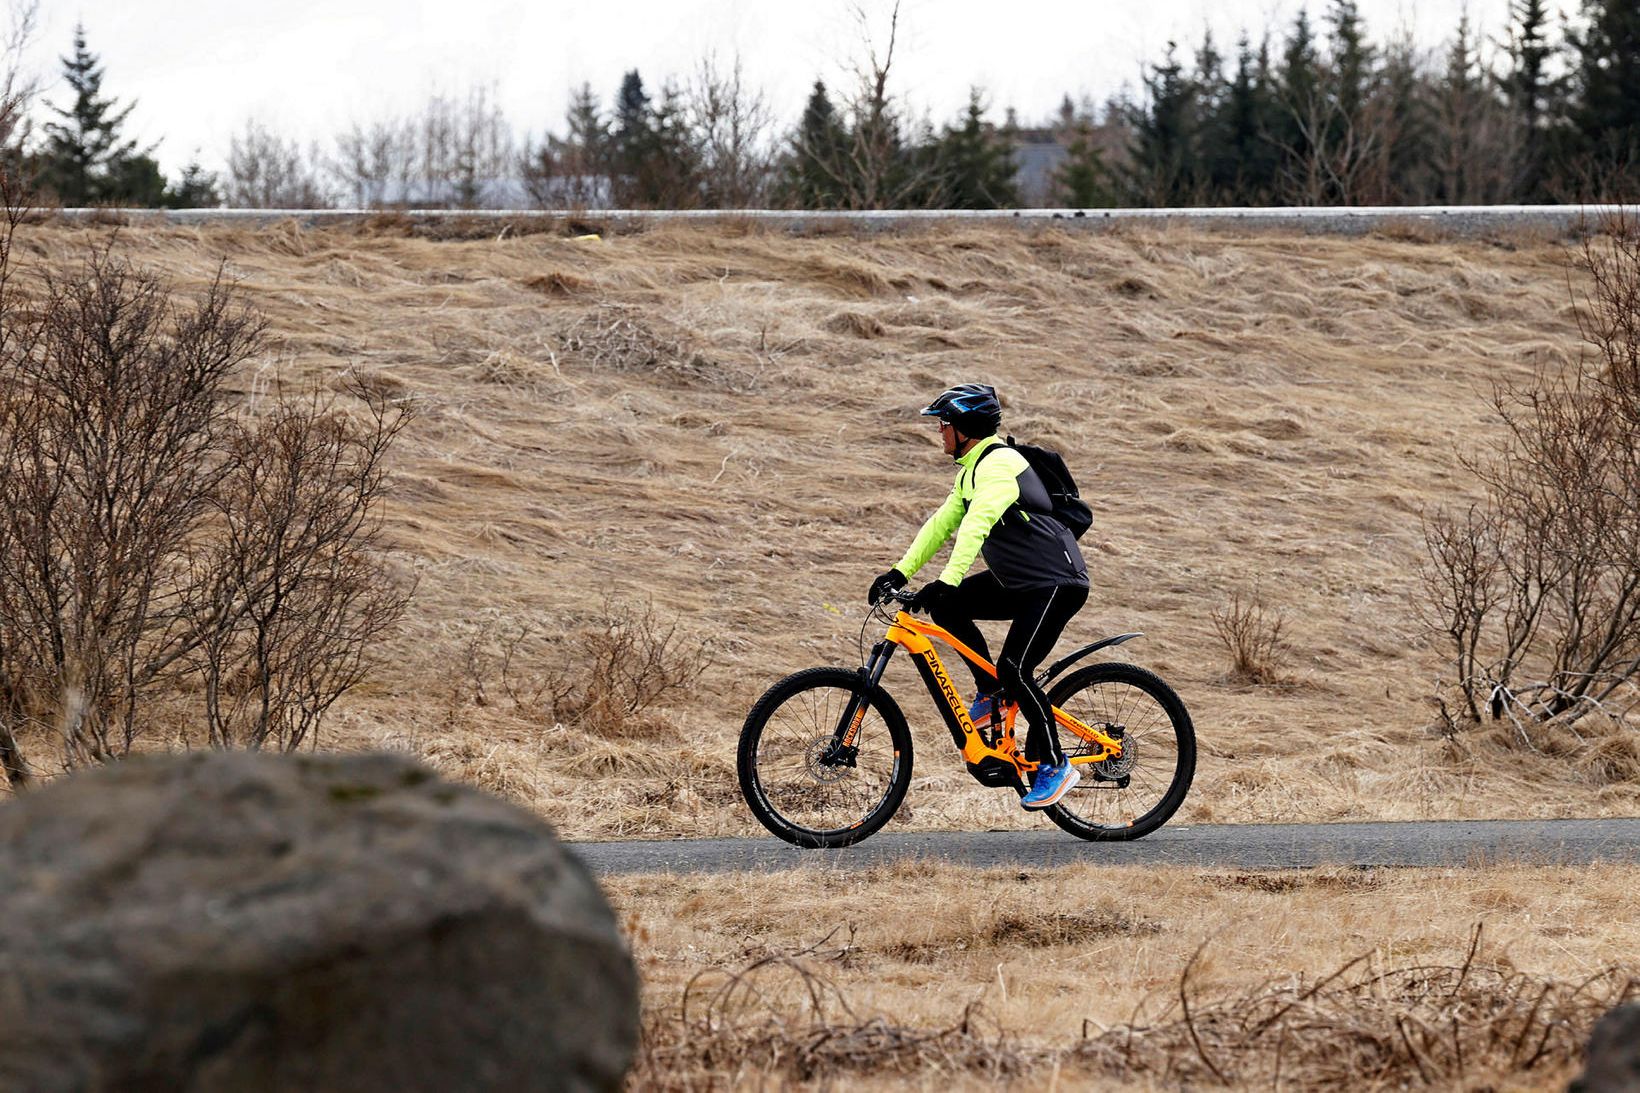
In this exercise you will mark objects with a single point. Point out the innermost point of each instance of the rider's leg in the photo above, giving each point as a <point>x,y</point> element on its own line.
<point>979,596</point>
<point>1042,617</point>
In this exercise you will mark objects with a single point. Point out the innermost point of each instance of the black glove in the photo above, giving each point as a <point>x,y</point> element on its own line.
<point>892,581</point>
<point>930,596</point>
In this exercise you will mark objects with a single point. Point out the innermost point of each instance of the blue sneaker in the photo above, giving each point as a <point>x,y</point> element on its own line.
<point>982,708</point>
<point>1049,784</point>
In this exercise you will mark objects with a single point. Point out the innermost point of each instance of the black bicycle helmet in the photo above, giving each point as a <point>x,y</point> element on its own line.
<point>972,407</point>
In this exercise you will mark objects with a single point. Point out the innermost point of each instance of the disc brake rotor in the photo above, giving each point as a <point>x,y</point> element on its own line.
<point>817,770</point>
<point>1118,766</point>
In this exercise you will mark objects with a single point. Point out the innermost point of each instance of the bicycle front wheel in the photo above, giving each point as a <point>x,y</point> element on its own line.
<point>796,787</point>
<point>1133,794</point>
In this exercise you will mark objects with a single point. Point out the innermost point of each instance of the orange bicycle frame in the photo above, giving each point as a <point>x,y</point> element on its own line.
<point>914,637</point>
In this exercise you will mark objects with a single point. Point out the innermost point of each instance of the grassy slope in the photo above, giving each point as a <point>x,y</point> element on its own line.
<point>726,422</point>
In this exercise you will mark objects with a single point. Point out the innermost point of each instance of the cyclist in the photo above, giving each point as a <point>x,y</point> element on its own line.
<point>1035,576</point>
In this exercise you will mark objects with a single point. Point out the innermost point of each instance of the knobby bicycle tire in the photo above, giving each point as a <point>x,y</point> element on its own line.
<point>1162,751</point>
<point>800,799</point>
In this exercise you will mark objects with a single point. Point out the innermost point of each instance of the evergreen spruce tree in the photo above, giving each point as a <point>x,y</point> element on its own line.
<point>1163,169</point>
<point>974,165</point>
<point>671,176</point>
<point>196,189</point>
<point>1352,60</point>
<point>815,161</point>
<point>1346,134</point>
<point>1215,152</point>
<point>1300,100</point>
<point>1404,156</point>
<point>84,160</point>
<point>586,140</point>
<point>1606,112</point>
<point>135,180</point>
<point>1531,91</point>
<point>633,143</point>
<point>1082,181</point>
<point>576,169</point>
<point>1250,116</point>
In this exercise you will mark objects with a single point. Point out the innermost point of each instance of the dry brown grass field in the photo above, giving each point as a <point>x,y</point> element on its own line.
<point>720,425</point>
<point>717,427</point>
<point>934,977</point>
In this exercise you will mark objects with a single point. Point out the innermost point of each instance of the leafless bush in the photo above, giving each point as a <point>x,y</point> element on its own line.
<point>457,154</point>
<point>870,165</point>
<point>1536,591</point>
<point>265,171</point>
<point>606,676</point>
<point>154,539</point>
<point>16,89</point>
<point>1251,634</point>
<point>729,124</point>
<point>630,660</point>
<point>293,591</point>
<point>1477,1024</point>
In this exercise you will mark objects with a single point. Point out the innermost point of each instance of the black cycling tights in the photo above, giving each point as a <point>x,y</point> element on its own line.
<point>1039,616</point>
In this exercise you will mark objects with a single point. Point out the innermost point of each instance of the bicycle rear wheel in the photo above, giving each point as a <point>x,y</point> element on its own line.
<point>783,763</point>
<point>1133,794</point>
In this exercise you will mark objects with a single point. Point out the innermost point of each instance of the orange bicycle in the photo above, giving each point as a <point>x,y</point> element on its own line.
<point>825,754</point>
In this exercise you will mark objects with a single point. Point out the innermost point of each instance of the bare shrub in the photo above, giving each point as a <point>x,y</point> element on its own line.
<point>266,171</point>
<point>870,163</point>
<point>457,154</point>
<point>1536,591</point>
<point>605,677</point>
<point>729,125</point>
<point>1480,1023</point>
<point>155,538</point>
<point>629,659</point>
<point>294,590</point>
<point>1251,634</point>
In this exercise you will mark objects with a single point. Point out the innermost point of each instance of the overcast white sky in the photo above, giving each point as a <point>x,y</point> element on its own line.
<point>198,69</point>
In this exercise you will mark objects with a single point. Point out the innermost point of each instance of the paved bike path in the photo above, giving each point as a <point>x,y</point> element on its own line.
<point>1241,846</point>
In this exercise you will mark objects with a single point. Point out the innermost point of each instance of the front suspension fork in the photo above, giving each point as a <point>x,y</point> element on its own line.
<point>844,745</point>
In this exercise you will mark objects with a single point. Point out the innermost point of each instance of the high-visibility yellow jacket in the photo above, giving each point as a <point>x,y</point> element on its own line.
<point>998,508</point>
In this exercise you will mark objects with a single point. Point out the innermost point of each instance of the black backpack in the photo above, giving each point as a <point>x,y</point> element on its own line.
<point>1068,507</point>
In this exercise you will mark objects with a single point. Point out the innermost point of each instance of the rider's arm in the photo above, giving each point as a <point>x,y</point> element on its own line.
<point>996,486</point>
<point>935,531</point>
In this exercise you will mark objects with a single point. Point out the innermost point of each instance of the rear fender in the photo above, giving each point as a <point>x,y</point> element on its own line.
<point>1058,666</point>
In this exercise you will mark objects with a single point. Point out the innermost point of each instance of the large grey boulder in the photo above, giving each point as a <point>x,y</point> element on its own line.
<point>259,922</point>
<point>1612,1064</point>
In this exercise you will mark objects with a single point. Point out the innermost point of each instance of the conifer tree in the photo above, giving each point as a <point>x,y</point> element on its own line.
<point>1083,179</point>
<point>84,159</point>
<point>1606,112</point>
<point>1164,166</point>
<point>974,166</point>
<point>1402,172</point>
<point>1217,166</point>
<point>633,143</point>
<point>1531,90</point>
<point>1300,99</point>
<point>196,189</point>
<point>670,178</point>
<point>1250,117</point>
<point>1352,60</point>
<point>815,160</point>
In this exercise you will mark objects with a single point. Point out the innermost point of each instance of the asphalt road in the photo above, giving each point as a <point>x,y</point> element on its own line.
<point>1240,846</point>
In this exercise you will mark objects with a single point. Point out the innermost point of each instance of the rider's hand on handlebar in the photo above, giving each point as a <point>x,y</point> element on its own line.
<point>930,595</point>
<point>891,581</point>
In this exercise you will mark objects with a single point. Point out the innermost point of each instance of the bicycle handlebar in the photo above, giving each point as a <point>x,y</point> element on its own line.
<point>898,595</point>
